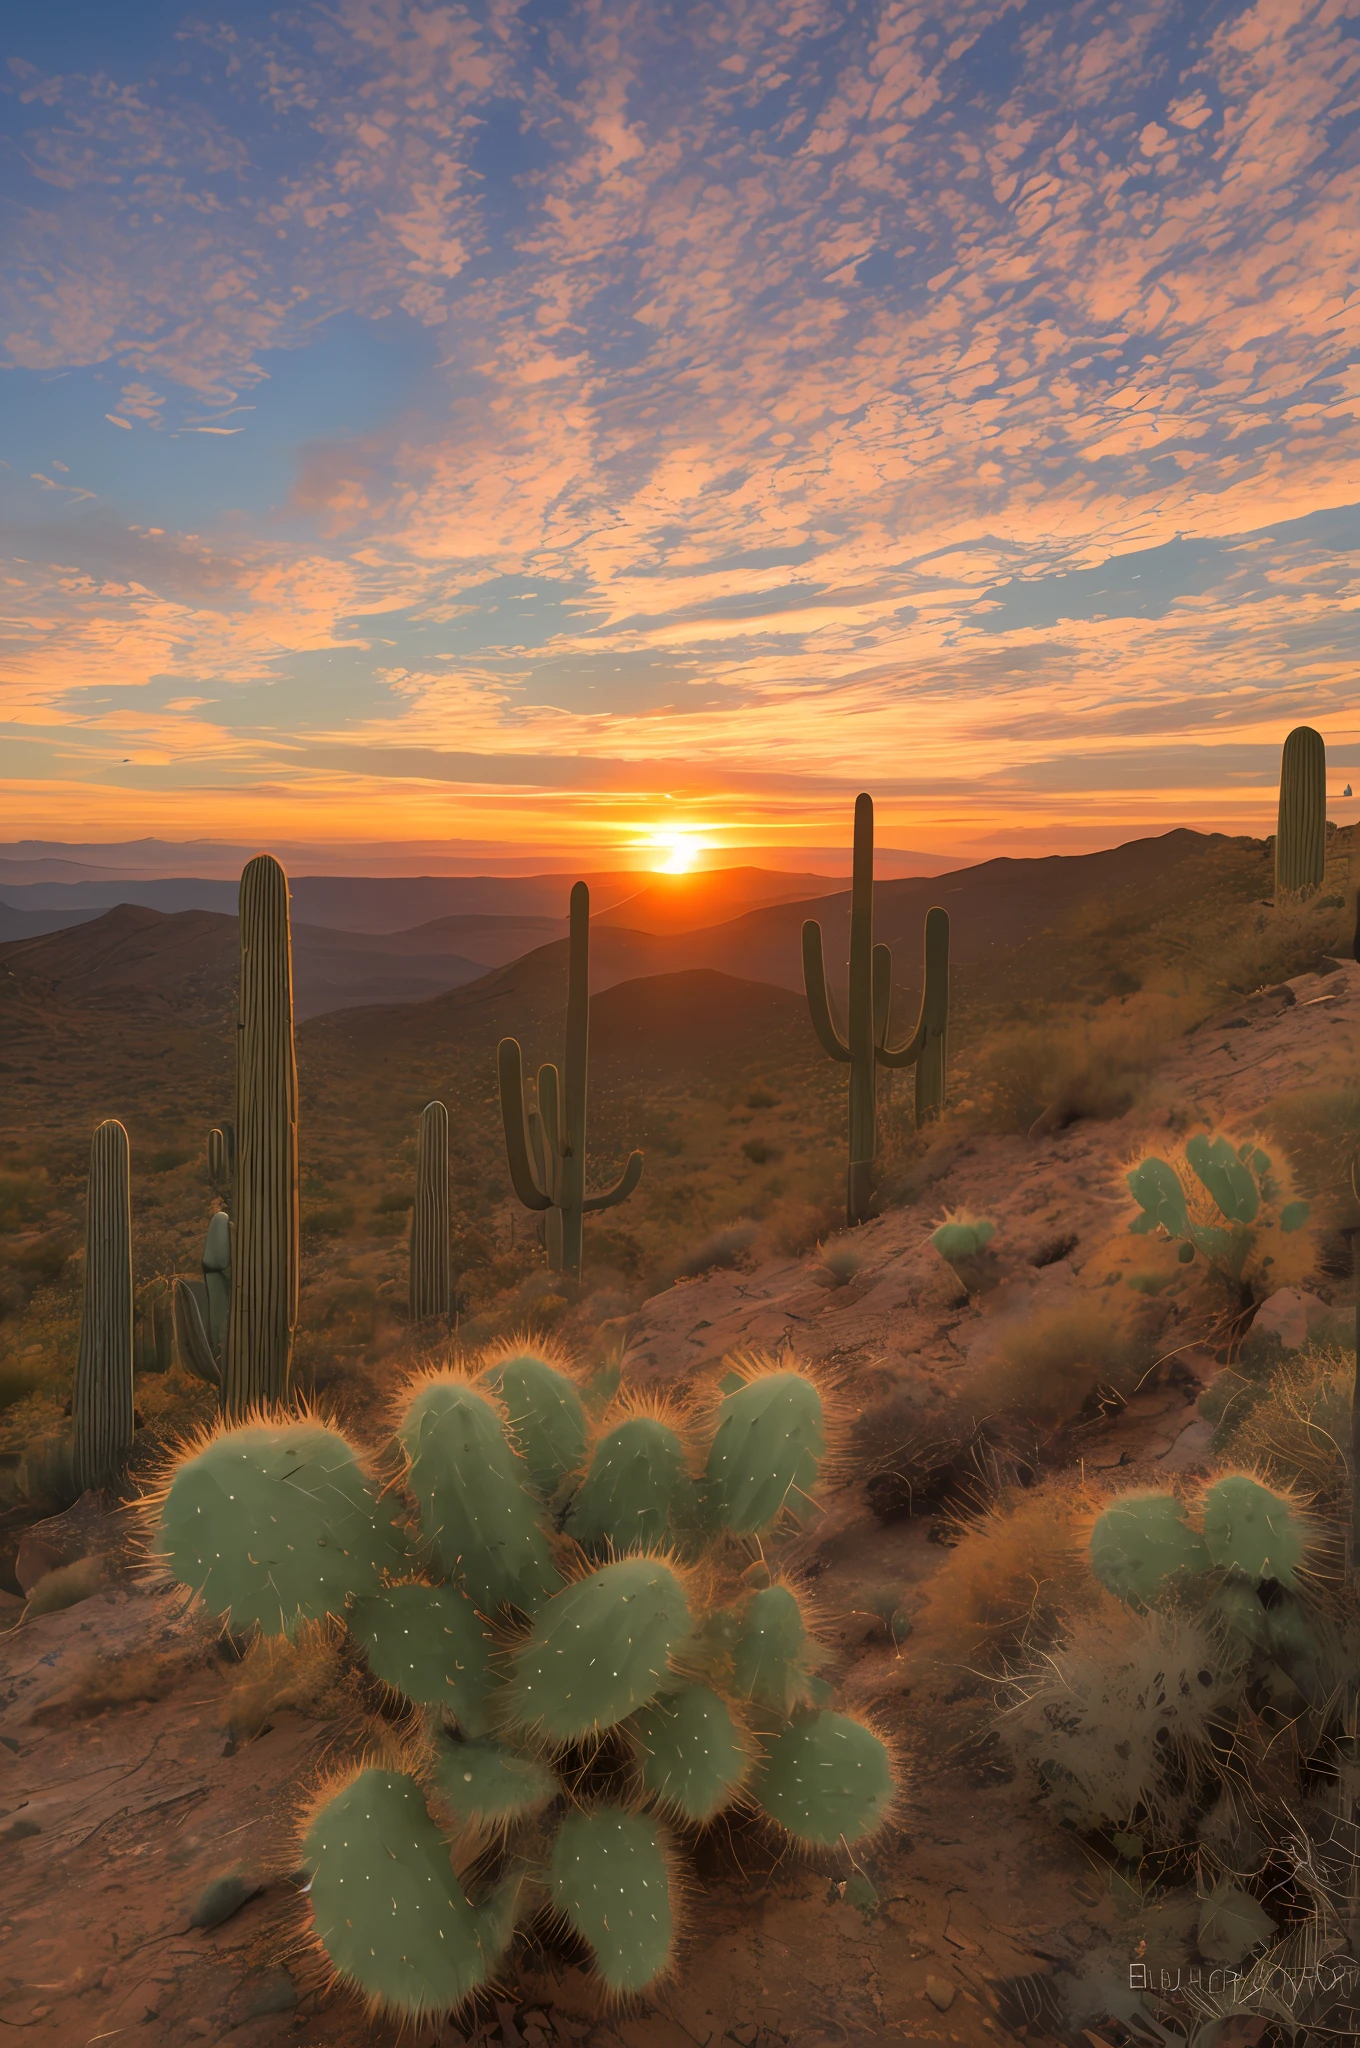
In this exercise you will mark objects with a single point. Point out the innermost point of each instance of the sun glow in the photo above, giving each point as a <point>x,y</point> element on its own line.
<point>682,849</point>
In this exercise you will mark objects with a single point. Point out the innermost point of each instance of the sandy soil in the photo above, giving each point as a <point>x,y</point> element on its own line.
<point>112,1825</point>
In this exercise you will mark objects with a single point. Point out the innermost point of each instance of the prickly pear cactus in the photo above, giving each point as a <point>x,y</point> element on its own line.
<point>594,1678</point>
<point>1225,1201</point>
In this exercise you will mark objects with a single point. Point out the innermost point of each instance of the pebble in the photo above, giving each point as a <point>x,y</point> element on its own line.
<point>940,1993</point>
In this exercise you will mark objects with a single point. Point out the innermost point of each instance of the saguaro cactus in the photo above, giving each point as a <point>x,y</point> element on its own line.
<point>102,1408</point>
<point>865,1048</point>
<point>430,1217</point>
<point>560,1152</point>
<point>1301,831</point>
<point>222,1159</point>
<point>264,1266</point>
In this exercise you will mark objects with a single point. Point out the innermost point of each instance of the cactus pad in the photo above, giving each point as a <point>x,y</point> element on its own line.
<point>610,1880</point>
<point>600,1649</point>
<point>475,1513</point>
<point>388,1909</point>
<point>766,1451</point>
<point>1251,1530</point>
<point>275,1524</point>
<point>1157,1190</point>
<point>545,1418</point>
<point>693,1755</point>
<point>485,1785</point>
<point>825,1779</point>
<point>635,1477</point>
<point>429,1643</point>
<point>770,1660</point>
<point>1138,1543</point>
<point>1229,1179</point>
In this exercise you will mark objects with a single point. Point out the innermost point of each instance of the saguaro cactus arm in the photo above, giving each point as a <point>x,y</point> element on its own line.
<point>621,1190</point>
<point>819,996</point>
<point>934,996</point>
<point>510,1073</point>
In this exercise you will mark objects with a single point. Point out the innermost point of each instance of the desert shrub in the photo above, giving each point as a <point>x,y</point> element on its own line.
<point>22,1199</point>
<point>19,1377</point>
<point>1058,1072</point>
<point>839,1263</point>
<point>167,1158</point>
<point>1319,1128</point>
<point>760,1152</point>
<point>1118,1723</point>
<point>66,1586</point>
<point>1294,1426</point>
<point>393,1202</point>
<point>721,1249</point>
<point>1054,1363</point>
<point>1011,1583</point>
<point>327,1219</point>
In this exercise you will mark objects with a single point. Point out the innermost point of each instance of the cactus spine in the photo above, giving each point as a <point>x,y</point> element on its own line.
<point>430,1217</point>
<point>102,1408</point>
<point>865,1048</point>
<point>264,1265</point>
<point>1301,832</point>
<point>559,1183</point>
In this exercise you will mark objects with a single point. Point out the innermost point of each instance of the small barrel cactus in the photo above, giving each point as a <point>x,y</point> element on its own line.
<point>589,1698</point>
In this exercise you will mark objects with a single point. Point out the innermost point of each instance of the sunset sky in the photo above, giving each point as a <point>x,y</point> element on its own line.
<point>555,429</point>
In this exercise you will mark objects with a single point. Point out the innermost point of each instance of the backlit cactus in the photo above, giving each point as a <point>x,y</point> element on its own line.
<point>547,1153</point>
<point>430,1293</point>
<point>102,1410</point>
<point>202,1308</point>
<point>1222,1204</point>
<point>1301,830</point>
<point>865,1047</point>
<point>222,1160</point>
<point>579,1701</point>
<point>264,1270</point>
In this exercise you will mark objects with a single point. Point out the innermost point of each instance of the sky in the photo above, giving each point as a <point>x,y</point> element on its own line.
<point>555,429</point>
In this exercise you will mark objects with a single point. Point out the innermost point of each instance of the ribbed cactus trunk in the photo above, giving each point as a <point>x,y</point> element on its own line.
<point>547,1162</point>
<point>264,1264</point>
<point>430,1291</point>
<point>865,1047</point>
<point>1301,830</point>
<point>102,1408</point>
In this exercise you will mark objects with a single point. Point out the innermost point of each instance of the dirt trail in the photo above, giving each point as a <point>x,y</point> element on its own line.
<point>113,1825</point>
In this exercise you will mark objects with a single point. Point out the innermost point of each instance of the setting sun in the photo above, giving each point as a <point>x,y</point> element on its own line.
<point>682,850</point>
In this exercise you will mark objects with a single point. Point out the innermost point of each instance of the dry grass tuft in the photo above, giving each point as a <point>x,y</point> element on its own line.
<point>1052,1365</point>
<point>1294,1429</point>
<point>104,1684</point>
<point>1011,1584</point>
<point>277,1676</point>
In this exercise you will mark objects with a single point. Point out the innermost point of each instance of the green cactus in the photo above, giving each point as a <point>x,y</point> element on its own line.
<point>545,1416</point>
<point>826,1779</point>
<point>264,1267</point>
<point>964,1243</point>
<point>865,1048</point>
<point>274,1524</point>
<point>638,1673</point>
<point>478,1518</point>
<point>636,1482</point>
<point>695,1758</point>
<point>560,1181</point>
<point>429,1644</point>
<point>484,1785</point>
<point>202,1308</point>
<point>222,1160</point>
<point>1141,1542</point>
<point>773,1657</point>
<point>1301,830</point>
<point>600,1649</point>
<point>1241,1183</point>
<point>389,1911</point>
<point>610,1880</point>
<point>1249,1529</point>
<point>430,1288</point>
<point>766,1451</point>
<point>102,1409</point>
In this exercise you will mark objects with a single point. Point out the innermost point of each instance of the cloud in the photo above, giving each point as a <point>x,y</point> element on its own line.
<point>886,396</point>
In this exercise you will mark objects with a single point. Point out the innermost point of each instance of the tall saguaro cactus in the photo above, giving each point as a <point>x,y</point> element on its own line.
<point>1301,831</point>
<point>264,1264</point>
<point>102,1412</point>
<point>430,1217</point>
<point>865,1047</point>
<point>559,1147</point>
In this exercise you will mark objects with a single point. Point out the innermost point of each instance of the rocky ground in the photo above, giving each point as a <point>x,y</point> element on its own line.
<point>116,1814</point>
